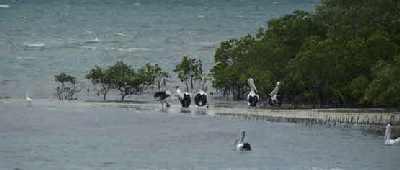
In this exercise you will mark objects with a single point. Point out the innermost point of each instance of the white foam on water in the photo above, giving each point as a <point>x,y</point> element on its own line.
<point>133,49</point>
<point>120,34</point>
<point>26,58</point>
<point>34,45</point>
<point>4,6</point>
<point>89,47</point>
<point>96,40</point>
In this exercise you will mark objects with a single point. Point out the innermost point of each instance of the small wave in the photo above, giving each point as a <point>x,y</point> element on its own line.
<point>26,58</point>
<point>89,47</point>
<point>130,49</point>
<point>120,34</point>
<point>318,168</point>
<point>137,4</point>
<point>4,6</point>
<point>34,45</point>
<point>201,16</point>
<point>275,2</point>
<point>96,40</point>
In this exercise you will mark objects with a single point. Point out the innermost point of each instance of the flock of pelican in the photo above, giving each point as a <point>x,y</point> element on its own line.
<point>200,100</point>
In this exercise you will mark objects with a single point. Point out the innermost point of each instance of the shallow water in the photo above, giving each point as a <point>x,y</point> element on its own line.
<point>80,135</point>
<point>41,38</point>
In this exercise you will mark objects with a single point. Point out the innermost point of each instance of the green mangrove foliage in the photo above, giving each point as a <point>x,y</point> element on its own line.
<point>345,53</point>
<point>124,78</point>
<point>67,86</point>
<point>188,70</point>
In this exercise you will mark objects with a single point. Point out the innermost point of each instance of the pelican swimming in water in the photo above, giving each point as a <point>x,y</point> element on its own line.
<point>252,97</point>
<point>184,98</point>
<point>388,140</point>
<point>240,145</point>
<point>274,95</point>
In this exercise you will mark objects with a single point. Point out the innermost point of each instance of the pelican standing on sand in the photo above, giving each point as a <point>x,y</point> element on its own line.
<point>184,98</point>
<point>163,94</point>
<point>240,145</point>
<point>200,99</point>
<point>388,140</point>
<point>252,97</point>
<point>274,95</point>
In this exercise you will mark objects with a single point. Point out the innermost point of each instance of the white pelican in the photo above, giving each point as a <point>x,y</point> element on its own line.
<point>252,97</point>
<point>389,141</point>
<point>27,98</point>
<point>184,98</point>
<point>274,94</point>
<point>240,145</point>
<point>200,99</point>
<point>162,96</point>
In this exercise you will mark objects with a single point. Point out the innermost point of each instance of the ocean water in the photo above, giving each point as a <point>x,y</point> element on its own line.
<point>47,135</point>
<point>40,38</point>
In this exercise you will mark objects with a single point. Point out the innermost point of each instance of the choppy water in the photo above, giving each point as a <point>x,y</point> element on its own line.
<point>77,135</point>
<point>39,38</point>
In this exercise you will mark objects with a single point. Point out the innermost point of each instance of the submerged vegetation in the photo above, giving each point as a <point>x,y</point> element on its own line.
<point>345,53</point>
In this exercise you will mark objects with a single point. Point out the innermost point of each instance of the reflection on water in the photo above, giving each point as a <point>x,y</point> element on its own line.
<point>88,135</point>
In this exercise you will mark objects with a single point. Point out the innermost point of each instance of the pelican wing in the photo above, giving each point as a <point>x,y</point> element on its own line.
<point>275,91</point>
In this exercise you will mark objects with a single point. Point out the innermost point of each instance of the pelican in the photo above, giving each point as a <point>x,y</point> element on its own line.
<point>389,141</point>
<point>184,98</point>
<point>27,98</point>
<point>200,99</point>
<point>240,145</point>
<point>252,97</point>
<point>274,95</point>
<point>162,97</point>
<point>163,94</point>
